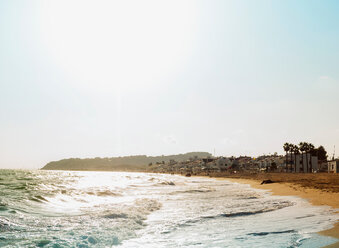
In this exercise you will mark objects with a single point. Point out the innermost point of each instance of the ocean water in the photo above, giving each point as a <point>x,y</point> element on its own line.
<point>115,209</point>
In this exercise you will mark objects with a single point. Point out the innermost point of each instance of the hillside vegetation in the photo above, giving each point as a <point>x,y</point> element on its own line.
<point>128,163</point>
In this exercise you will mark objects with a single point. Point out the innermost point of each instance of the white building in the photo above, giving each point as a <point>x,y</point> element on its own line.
<point>302,160</point>
<point>333,166</point>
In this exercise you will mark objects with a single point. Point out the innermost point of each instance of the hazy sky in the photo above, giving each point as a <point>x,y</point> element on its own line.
<point>109,78</point>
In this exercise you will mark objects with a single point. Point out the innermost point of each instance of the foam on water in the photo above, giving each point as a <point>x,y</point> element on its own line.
<point>104,209</point>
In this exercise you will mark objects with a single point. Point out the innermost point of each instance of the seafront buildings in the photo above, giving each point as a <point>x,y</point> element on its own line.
<point>333,166</point>
<point>301,158</point>
<point>267,163</point>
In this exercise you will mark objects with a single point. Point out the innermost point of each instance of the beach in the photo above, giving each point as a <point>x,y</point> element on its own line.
<point>318,189</point>
<point>125,209</point>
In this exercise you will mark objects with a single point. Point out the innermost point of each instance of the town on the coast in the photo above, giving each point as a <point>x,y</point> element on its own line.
<point>301,158</point>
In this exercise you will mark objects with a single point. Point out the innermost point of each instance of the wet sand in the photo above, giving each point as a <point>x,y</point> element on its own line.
<point>316,196</point>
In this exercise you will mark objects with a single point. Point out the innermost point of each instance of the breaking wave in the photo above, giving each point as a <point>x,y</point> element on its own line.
<point>269,233</point>
<point>102,209</point>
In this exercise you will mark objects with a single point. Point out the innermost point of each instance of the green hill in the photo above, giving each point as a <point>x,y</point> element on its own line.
<point>128,163</point>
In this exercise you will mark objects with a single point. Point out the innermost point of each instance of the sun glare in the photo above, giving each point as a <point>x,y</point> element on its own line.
<point>118,43</point>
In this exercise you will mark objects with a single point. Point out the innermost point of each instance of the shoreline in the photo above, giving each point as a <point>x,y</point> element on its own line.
<point>311,187</point>
<point>314,196</point>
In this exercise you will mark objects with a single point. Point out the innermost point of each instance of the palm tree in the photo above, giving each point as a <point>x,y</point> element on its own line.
<point>291,154</point>
<point>310,147</point>
<point>295,151</point>
<point>286,149</point>
<point>302,148</point>
<point>307,150</point>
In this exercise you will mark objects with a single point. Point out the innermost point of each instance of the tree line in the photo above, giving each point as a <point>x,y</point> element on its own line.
<point>304,148</point>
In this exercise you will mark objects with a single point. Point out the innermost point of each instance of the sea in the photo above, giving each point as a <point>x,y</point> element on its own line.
<point>122,209</point>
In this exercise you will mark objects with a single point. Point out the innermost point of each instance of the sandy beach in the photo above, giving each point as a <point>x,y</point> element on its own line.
<point>326,195</point>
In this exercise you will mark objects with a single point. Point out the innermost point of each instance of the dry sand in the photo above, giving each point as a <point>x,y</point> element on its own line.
<point>314,195</point>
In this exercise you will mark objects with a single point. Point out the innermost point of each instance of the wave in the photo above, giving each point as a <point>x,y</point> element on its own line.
<point>138,211</point>
<point>38,198</point>
<point>145,206</point>
<point>249,198</point>
<point>306,216</point>
<point>190,191</point>
<point>245,213</point>
<point>165,183</point>
<point>268,233</point>
<point>102,192</point>
<point>20,187</point>
<point>116,216</point>
<point>25,179</point>
<point>237,214</point>
<point>126,219</point>
<point>5,225</point>
<point>61,218</point>
<point>3,206</point>
<point>107,193</point>
<point>275,206</point>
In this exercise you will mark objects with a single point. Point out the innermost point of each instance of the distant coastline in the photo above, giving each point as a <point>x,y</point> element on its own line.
<point>141,163</point>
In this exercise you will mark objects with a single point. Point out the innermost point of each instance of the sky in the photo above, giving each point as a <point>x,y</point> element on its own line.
<point>115,78</point>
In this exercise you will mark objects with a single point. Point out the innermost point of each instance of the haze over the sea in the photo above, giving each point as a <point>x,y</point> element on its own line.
<point>115,78</point>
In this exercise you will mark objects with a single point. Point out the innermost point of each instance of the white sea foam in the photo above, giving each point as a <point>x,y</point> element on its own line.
<point>102,209</point>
